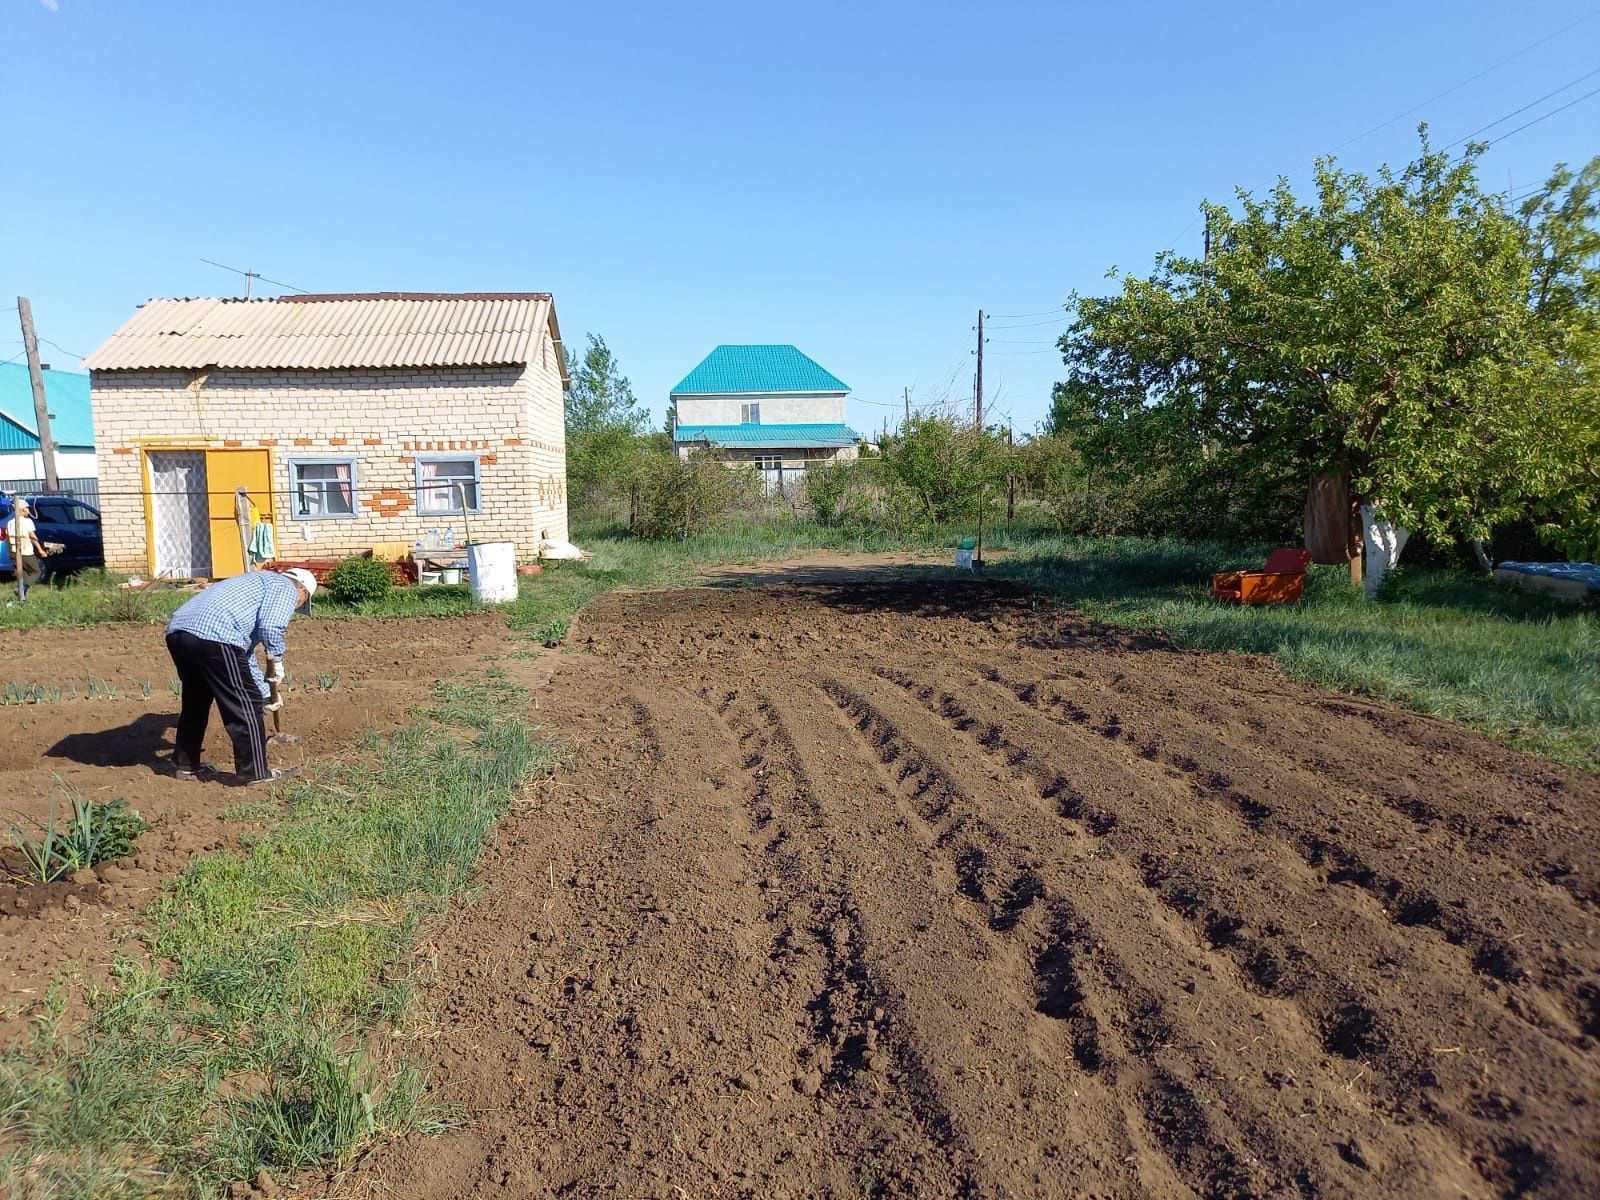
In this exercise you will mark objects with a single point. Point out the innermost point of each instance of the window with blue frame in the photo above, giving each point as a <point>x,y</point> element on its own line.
<point>447,485</point>
<point>322,489</point>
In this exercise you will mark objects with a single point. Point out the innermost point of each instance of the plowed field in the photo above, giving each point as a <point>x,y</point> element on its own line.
<point>922,889</point>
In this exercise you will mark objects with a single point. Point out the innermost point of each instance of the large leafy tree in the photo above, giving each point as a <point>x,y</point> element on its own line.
<point>605,422</point>
<point>1402,329</point>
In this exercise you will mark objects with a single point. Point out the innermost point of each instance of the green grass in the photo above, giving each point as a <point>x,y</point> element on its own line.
<point>1524,668</point>
<point>260,1025</point>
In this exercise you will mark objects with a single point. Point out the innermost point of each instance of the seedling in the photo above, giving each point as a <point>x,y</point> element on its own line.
<point>93,834</point>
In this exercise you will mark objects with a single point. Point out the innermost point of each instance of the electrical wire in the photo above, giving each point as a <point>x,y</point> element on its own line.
<point>64,350</point>
<point>289,287</point>
<point>1545,117</point>
<point>1519,111</point>
<point>1022,316</point>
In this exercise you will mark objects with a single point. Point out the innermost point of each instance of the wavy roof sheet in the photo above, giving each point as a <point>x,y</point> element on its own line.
<point>312,332</point>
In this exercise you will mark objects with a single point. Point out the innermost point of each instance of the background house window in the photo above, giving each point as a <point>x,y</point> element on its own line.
<point>750,414</point>
<point>769,462</point>
<point>443,483</point>
<point>323,489</point>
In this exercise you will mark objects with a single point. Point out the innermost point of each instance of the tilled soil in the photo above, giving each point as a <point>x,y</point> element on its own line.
<point>916,889</point>
<point>112,738</point>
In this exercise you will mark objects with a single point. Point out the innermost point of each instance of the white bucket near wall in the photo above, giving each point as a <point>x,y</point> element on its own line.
<point>492,567</point>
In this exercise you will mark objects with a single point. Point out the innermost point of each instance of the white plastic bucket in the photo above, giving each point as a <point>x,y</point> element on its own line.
<point>428,577</point>
<point>492,567</point>
<point>964,559</point>
<point>450,575</point>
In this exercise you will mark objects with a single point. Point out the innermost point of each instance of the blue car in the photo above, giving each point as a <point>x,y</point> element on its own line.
<point>65,521</point>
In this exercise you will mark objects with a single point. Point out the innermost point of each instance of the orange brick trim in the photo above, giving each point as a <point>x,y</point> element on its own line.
<point>337,441</point>
<point>408,460</point>
<point>513,441</point>
<point>122,450</point>
<point>371,441</point>
<point>266,441</point>
<point>389,502</point>
<point>489,459</point>
<point>230,443</point>
<point>302,441</point>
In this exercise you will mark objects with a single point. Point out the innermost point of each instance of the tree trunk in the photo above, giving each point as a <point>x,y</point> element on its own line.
<point>1481,552</point>
<point>1384,542</point>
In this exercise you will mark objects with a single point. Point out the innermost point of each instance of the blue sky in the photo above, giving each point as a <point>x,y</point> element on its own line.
<point>857,178</point>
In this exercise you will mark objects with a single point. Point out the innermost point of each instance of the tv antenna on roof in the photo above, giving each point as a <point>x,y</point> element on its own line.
<point>250,277</point>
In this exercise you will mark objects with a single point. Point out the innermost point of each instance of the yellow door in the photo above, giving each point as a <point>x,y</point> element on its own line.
<point>226,472</point>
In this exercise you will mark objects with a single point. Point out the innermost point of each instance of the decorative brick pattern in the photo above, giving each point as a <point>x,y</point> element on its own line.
<point>390,502</point>
<point>509,417</point>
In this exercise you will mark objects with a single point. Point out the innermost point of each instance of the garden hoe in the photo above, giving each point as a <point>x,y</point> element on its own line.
<point>279,737</point>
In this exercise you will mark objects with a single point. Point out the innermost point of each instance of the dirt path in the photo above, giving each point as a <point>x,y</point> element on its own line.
<point>913,889</point>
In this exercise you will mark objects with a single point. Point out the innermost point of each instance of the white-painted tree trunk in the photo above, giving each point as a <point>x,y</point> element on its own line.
<point>1385,540</point>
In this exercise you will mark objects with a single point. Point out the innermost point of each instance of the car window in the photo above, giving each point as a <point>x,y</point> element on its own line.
<point>85,514</point>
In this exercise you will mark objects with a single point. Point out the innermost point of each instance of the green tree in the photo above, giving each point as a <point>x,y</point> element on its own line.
<point>1389,328</point>
<point>604,423</point>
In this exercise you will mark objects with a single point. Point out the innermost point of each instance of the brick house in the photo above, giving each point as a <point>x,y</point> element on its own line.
<point>350,420</point>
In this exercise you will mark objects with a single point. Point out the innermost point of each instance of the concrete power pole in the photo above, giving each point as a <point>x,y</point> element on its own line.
<point>905,394</point>
<point>41,405</point>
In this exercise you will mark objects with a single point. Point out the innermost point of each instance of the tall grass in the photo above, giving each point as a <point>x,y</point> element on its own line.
<point>1525,668</point>
<point>257,1029</point>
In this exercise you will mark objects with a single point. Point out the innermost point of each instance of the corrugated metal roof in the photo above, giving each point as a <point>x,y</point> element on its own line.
<point>733,369</point>
<point>67,396</point>
<point>814,436</point>
<point>379,329</point>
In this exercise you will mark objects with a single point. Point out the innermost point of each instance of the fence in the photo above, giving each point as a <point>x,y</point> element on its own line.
<point>86,488</point>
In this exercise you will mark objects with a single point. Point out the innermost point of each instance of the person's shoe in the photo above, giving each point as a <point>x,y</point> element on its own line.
<point>274,776</point>
<point>202,770</point>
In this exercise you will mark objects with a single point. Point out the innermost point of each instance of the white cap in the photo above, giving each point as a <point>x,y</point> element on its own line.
<point>306,580</point>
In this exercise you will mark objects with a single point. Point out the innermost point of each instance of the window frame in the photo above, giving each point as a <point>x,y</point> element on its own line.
<point>324,460</point>
<point>475,509</point>
<point>762,462</point>
<point>749,412</point>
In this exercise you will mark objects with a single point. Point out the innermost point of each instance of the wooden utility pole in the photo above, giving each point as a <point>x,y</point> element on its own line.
<point>41,405</point>
<point>905,394</point>
<point>977,421</point>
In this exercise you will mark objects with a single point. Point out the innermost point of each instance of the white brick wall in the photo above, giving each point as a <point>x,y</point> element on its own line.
<point>510,417</point>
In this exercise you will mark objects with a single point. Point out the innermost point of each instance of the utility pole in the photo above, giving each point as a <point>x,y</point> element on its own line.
<point>41,405</point>
<point>1011,482</point>
<point>977,421</point>
<point>905,394</point>
<point>249,284</point>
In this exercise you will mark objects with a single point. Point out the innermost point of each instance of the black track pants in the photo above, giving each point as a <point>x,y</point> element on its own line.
<point>216,671</point>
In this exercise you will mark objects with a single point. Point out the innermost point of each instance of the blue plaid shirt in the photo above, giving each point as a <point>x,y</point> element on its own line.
<point>246,611</point>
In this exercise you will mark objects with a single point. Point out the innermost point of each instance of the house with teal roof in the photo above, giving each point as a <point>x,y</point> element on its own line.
<point>71,429</point>
<point>770,406</point>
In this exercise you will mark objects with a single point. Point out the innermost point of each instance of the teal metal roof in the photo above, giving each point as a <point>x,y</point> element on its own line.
<point>66,392</point>
<point>733,369</point>
<point>765,437</point>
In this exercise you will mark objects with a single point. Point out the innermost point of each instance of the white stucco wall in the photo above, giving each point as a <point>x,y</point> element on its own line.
<point>70,464</point>
<point>777,408</point>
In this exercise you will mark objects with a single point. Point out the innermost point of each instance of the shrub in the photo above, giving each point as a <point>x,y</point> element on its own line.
<point>95,833</point>
<point>679,497</point>
<point>359,579</point>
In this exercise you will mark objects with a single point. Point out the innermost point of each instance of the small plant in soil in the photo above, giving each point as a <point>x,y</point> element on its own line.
<point>94,833</point>
<point>325,681</point>
<point>553,633</point>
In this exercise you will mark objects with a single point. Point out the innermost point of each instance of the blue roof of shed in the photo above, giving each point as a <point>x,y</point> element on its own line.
<point>760,437</point>
<point>729,369</point>
<point>66,392</point>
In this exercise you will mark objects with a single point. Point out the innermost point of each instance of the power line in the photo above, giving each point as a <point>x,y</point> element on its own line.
<point>63,349</point>
<point>252,275</point>
<point>1031,324</point>
<point>1545,117</point>
<point>1519,111</point>
<point>1024,316</point>
<point>1457,87</point>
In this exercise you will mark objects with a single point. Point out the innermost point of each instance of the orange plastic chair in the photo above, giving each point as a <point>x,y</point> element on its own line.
<point>1280,583</point>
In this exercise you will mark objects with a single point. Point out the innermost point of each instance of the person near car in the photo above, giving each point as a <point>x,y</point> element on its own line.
<point>212,639</point>
<point>26,548</point>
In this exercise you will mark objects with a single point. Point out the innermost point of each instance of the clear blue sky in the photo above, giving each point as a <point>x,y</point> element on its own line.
<point>857,179</point>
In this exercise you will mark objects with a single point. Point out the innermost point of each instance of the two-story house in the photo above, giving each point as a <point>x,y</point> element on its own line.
<point>770,406</point>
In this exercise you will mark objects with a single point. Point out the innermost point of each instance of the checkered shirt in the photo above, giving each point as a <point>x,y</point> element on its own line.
<point>246,611</point>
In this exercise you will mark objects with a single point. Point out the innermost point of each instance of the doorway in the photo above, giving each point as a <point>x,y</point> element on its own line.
<point>179,515</point>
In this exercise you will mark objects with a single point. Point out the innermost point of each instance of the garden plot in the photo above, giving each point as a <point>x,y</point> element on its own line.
<point>90,713</point>
<point>924,889</point>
